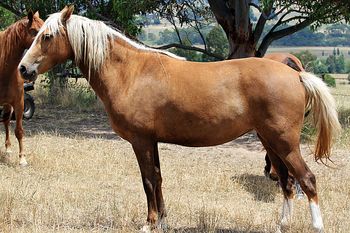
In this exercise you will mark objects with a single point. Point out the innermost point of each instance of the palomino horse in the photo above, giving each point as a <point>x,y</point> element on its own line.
<point>13,41</point>
<point>153,96</point>
<point>294,63</point>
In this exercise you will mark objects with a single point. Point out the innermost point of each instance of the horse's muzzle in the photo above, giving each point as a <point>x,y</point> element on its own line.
<point>26,74</point>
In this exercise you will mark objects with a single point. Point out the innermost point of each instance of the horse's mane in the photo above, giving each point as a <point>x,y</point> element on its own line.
<point>10,38</point>
<point>90,39</point>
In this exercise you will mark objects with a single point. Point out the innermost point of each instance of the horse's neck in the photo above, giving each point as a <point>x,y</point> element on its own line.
<point>11,49</point>
<point>118,70</point>
<point>122,57</point>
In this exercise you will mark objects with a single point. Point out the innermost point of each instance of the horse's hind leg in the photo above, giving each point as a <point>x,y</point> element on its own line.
<point>286,182</point>
<point>269,170</point>
<point>285,145</point>
<point>151,179</point>
<point>7,118</point>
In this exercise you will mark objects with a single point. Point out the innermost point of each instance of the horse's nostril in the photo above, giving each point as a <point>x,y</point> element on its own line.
<point>22,69</point>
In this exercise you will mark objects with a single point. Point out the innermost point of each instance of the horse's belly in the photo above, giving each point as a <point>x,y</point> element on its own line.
<point>203,133</point>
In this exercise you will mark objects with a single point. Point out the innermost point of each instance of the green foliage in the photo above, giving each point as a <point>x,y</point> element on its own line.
<point>169,36</point>
<point>336,64</point>
<point>121,13</point>
<point>307,59</point>
<point>347,66</point>
<point>333,64</point>
<point>217,43</point>
<point>166,37</point>
<point>188,54</point>
<point>6,18</point>
<point>320,67</point>
<point>302,38</point>
<point>308,131</point>
<point>329,80</point>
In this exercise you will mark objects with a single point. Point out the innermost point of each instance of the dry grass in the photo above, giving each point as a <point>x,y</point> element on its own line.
<point>82,178</point>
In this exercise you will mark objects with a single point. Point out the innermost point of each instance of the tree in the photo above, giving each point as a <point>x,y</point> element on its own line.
<point>319,67</point>
<point>336,64</point>
<point>307,59</point>
<point>6,18</point>
<point>288,16</point>
<point>247,39</point>
<point>118,13</point>
<point>217,44</point>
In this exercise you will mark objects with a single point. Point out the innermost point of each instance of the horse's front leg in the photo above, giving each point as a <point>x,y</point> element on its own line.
<point>150,171</point>
<point>159,195</point>
<point>19,132</point>
<point>7,118</point>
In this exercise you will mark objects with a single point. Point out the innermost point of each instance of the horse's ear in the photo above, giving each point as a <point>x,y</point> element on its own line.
<point>37,14</point>
<point>30,16</point>
<point>66,13</point>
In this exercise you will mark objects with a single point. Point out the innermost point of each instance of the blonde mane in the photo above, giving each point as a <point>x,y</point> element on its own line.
<point>90,39</point>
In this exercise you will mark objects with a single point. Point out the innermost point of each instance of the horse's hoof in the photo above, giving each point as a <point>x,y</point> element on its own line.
<point>146,229</point>
<point>23,162</point>
<point>161,225</point>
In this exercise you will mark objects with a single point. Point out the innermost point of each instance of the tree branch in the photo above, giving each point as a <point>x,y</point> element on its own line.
<point>275,35</point>
<point>197,26</point>
<point>259,28</point>
<point>192,48</point>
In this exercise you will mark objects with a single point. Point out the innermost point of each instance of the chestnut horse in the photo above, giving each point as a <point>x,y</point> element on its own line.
<point>294,63</point>
<point>13,41</point>
<point>152,96</point>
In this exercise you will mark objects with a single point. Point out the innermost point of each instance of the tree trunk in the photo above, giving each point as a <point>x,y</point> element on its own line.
<point>240,49</point>
<point>233,16</point>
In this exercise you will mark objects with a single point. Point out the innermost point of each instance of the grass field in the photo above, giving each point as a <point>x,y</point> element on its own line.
<point>83,178</point>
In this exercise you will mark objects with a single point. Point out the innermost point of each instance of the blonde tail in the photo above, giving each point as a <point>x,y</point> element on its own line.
<point>324,113</point>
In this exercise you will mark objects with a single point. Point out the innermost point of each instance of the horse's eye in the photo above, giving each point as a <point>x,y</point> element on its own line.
<point>47,36</point>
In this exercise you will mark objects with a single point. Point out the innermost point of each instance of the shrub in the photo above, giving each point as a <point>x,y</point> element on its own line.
<point>329,80</point>
<point>344,117</point>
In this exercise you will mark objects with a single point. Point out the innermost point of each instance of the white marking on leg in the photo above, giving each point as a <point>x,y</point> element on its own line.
<point>161,224</point>
<point>146,229</point>
<point>317,221</point>
<point>23,161</point>
<point>287,211</point>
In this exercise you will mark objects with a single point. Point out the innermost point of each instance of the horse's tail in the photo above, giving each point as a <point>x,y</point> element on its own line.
<point>323,109</point>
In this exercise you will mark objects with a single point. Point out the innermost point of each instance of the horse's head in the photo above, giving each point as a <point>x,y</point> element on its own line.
<point>50,47</point>
<point>32,24</point>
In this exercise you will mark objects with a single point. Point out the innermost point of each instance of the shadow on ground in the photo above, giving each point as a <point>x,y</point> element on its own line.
<point>262,188</point>
<point>248,141</point>
<point>70,122</point>
<point>200,230</point>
